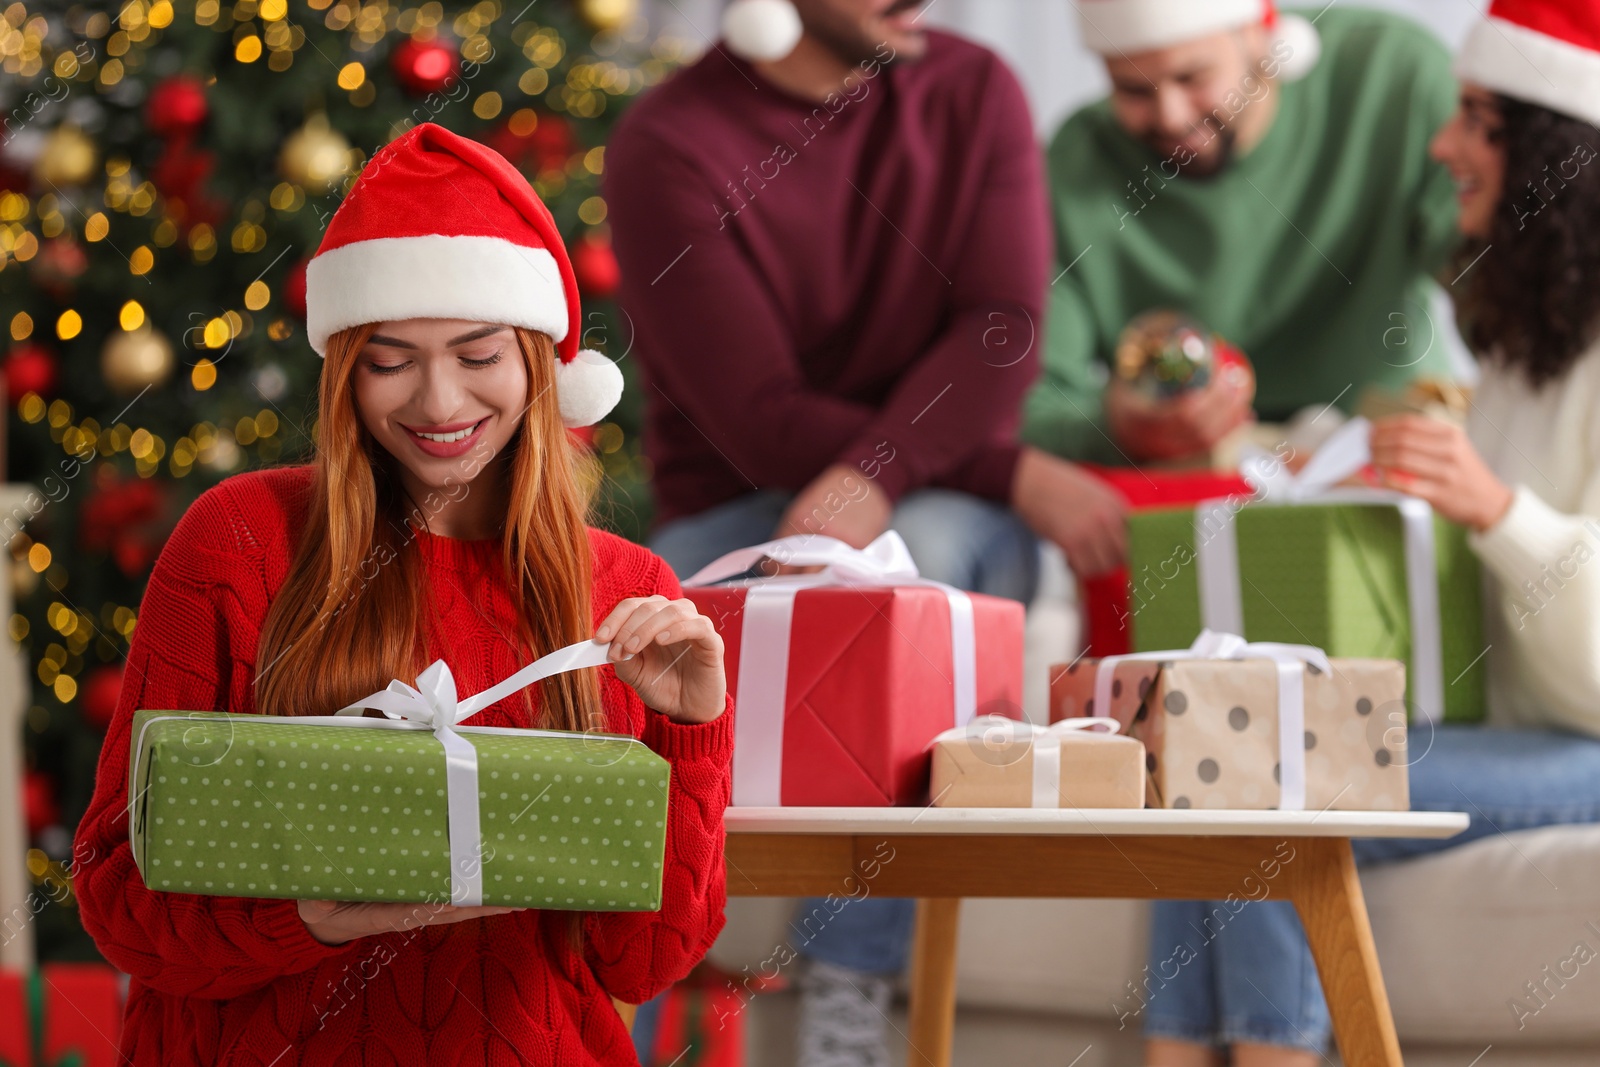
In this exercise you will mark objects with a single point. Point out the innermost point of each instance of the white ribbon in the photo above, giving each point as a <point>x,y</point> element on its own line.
<point>763,684</point>
<point>1045,740</point>
<point>432,704</point>
<point>1290,660</point>
<point>1342,454</point>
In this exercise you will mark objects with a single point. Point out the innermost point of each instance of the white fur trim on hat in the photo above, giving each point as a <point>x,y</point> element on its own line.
<point>433,276</point>
<point>1115,26</point>
<point>1530,66</point>
<point>587,388</point>
<point>761,30</point>
<point>1304,45</point>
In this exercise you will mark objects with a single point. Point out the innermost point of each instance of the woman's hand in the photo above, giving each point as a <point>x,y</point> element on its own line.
<point>1433,459</point>
<point>677,656</point>
<point>333,922</point>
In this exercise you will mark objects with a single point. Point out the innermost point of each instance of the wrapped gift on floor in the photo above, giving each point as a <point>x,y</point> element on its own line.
<point>843,676</point>
<point>1360,572</point>
<point>1230,724</point>
<point>410,807</point>
<point>996,762</point>
<point>63,1013</point>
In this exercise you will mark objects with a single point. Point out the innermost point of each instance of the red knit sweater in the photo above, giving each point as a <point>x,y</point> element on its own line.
<point>231,980</point>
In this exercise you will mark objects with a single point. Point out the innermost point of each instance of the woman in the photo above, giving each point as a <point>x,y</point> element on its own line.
<point>441,516</point>
<point>1524,477</point>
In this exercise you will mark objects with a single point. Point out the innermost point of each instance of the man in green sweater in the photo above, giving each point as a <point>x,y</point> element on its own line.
<point>1269,178</point>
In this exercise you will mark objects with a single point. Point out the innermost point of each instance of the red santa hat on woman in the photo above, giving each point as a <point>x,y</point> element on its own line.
<point>1119,27</point>
<point>1545,52</point>
<point>438,226</point>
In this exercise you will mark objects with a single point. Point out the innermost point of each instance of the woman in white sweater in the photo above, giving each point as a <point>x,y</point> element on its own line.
<point>1524,477</point>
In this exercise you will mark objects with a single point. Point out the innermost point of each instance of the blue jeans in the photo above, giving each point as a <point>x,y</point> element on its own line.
<point>1248,976</point>
<point>954,538</point>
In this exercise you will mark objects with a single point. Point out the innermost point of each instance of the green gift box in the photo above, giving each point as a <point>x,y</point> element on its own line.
<point>342,807</point>
<point>1331,573</point>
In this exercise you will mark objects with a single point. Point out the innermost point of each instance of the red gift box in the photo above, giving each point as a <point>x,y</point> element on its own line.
<point>62,1013</point>
<point>1105,597</point>
<point>870,684</point>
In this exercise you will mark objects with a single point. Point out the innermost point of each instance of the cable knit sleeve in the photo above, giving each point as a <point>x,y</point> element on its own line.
<point>1555,629</point>
<point>636,955</point>
<point>193,650</point>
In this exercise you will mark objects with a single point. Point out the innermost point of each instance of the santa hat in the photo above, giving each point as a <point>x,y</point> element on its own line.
<point>1544,52</point>
<point>1116,27</point>
<point>439,226</point>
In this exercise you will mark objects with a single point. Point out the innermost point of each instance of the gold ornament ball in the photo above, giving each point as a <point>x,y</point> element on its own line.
<point>134,359</point>
<point>67,158</point>
<point>608,14</point>
<point>315,157</point>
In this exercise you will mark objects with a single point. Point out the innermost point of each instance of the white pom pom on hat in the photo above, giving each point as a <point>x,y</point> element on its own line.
<point>440,226</point>
<point>761,30</point>
<point>1116,27</point>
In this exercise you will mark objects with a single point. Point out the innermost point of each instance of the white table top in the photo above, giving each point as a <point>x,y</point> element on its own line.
<point>1116,822</point>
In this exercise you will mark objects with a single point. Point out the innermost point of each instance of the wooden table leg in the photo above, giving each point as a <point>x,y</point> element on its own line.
<point>1328,897</point>
<point>933,981</point>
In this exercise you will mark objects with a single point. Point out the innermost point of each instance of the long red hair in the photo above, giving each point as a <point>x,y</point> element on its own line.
<point>348,617</point>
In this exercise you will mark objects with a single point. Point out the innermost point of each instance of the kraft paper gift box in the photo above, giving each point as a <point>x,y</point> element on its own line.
<point>1360,573</point>
<point>343,807</point>
<point>842,677</point>
<point>1211,727</point>
<point>995,762</point>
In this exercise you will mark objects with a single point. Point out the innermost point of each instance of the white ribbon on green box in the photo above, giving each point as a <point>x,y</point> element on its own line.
<point>1345,452</point>
<point>1291,661</point>
<point>763,684</point>
<point>432,704</point>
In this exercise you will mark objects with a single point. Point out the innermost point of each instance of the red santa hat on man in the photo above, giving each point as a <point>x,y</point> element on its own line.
<point>439,226</point>
<point>1120,27</point>
<point>1544,52</point>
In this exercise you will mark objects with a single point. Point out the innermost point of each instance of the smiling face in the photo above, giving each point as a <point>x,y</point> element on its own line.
<point>442,396</point>
<point>1470,147</point>
<point>1192,101</point>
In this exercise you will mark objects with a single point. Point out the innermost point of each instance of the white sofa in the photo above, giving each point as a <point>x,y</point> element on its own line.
<point>1462,935</point>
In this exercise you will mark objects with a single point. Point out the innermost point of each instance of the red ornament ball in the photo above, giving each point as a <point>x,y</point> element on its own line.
<point>100,693</point>
<point>294,289</point>
<point>30,368</point>
<point>594,264</point>
<point>423,67</point>
<point>177,106</point>
<point>39,802</point>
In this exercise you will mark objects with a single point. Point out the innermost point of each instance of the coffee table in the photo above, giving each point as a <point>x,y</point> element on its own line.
<point>940,855</point>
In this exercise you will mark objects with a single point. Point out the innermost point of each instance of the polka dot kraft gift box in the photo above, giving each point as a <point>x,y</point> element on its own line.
<point>1214,728</point>
<point>366,809</point>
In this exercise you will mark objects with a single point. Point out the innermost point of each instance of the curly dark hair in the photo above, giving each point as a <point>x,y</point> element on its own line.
<point>1534,301</point>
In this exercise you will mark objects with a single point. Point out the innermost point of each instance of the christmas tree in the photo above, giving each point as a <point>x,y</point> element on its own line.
<point>166,172</point>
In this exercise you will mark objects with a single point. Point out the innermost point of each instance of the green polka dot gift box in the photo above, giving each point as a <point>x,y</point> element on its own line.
<point>367,809</point>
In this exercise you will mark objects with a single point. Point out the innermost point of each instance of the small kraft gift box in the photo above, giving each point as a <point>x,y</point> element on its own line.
<point>411,807</point>
<point>996,762</point>
<point>1360,572</point>
<point>843,675</point>
<point>1233,724</point>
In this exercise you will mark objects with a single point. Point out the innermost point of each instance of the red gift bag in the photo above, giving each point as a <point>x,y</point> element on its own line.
<point>64,1013</point>
<point>1105,597</point>
<point>701,1023</point>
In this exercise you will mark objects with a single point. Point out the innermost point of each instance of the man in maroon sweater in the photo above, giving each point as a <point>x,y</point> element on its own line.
<point>835,265</point>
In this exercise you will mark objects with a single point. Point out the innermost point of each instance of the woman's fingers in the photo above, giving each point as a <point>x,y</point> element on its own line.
<point>623,623</point>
